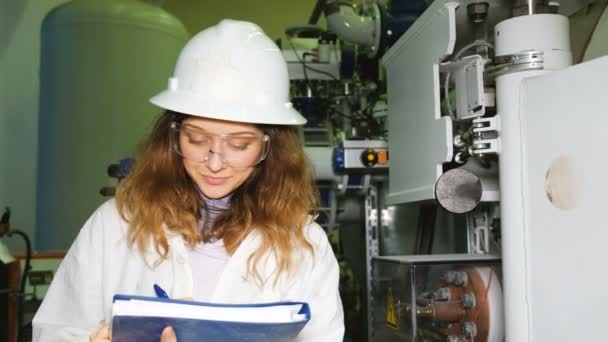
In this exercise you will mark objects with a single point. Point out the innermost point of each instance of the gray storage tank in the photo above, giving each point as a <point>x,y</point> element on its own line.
<point>100,62</point>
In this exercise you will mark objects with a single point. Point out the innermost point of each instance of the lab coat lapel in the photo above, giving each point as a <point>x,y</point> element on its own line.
<point>182,270</point>
<point>236,285</point>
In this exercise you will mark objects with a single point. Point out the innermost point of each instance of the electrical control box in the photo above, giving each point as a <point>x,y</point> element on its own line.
<point>454,297</point>
<point>361,156</point>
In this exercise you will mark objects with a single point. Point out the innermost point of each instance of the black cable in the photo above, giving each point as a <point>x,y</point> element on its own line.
<point>306,54</point>
<point>306,66</point>
<point>320,71</point>
<point>26,270</point>
<point>299,60</point>
<point>335,111</point>
<point>342,114</point>
<point>352,116</point>
<point>372,103</point>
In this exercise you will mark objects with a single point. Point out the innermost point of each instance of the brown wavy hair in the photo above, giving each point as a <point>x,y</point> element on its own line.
<point>276,200</point>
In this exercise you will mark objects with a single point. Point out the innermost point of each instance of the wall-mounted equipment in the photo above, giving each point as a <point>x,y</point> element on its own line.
<point>455,298</point>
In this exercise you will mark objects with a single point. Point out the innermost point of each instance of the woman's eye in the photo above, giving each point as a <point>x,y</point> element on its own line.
<point>240,144</point>
<point>197,141</point>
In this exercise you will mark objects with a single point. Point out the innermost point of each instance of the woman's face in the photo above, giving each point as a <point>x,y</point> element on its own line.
<point>218,154</point>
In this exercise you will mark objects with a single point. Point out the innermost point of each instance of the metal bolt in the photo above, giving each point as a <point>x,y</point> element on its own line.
<point>448,277</point>
<point>477,125</point>
<point>469,329</point>
<point>471,150</point>
<point>478,11</point>
<point>461,157</point>
<point>468,300</point>
<point>458,141</point>
<point>442,294</point>
<point>480,146</point>
<point>459,278</point>
<point>346,88</point>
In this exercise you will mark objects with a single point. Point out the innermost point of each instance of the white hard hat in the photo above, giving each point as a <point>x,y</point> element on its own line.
<point>231,71</point>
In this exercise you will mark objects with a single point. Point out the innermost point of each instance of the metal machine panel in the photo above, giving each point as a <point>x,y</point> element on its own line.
<point>565,123</point>
<point>414,118</point>
<point>420,139</point>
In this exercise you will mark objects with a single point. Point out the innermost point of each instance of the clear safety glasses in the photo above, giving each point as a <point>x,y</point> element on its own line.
<point>236,150</point>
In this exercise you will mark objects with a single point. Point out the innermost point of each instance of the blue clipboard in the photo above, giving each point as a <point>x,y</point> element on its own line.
<point>147,328</point>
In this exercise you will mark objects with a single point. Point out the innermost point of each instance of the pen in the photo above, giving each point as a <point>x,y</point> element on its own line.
<point>160,293</point>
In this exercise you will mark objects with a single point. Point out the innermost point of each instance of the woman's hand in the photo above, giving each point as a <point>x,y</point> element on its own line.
<point>168,335</point>
<point>103,335</point>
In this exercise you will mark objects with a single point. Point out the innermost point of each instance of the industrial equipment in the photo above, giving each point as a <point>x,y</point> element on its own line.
<point>17,294</point>
<point>118,170</point>
<point>488,120</point>
<point>504,83</point>
<point>438,297</point>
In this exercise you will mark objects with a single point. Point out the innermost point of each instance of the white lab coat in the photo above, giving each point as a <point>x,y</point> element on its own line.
<point>100,264</point>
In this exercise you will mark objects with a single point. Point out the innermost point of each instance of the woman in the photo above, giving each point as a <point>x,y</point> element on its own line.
<point>217,207</point>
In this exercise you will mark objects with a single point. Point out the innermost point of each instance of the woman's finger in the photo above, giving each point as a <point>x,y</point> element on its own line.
<point>168,335</point>
<point>102,335</point>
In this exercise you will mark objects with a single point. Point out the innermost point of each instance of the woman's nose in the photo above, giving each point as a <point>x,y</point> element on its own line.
<point>215,162</point>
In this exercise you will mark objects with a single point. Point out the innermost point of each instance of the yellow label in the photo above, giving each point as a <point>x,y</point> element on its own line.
<point>391,314</point>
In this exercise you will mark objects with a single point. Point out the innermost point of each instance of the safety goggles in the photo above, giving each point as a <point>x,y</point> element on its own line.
<point>237,150</point>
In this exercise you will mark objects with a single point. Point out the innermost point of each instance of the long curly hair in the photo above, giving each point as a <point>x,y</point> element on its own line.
<point>275,201</point>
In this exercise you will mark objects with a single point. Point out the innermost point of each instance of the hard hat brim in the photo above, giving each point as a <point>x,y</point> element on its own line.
<point>189,103</point>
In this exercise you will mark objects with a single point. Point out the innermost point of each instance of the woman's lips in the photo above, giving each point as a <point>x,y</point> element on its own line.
<point>215,180</point>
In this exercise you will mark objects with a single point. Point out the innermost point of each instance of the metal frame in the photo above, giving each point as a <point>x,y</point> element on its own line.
<point>372,220</point>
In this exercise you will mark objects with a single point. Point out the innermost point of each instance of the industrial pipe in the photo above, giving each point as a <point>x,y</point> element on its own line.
<point>316,12</point>
<point>352,27</point>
